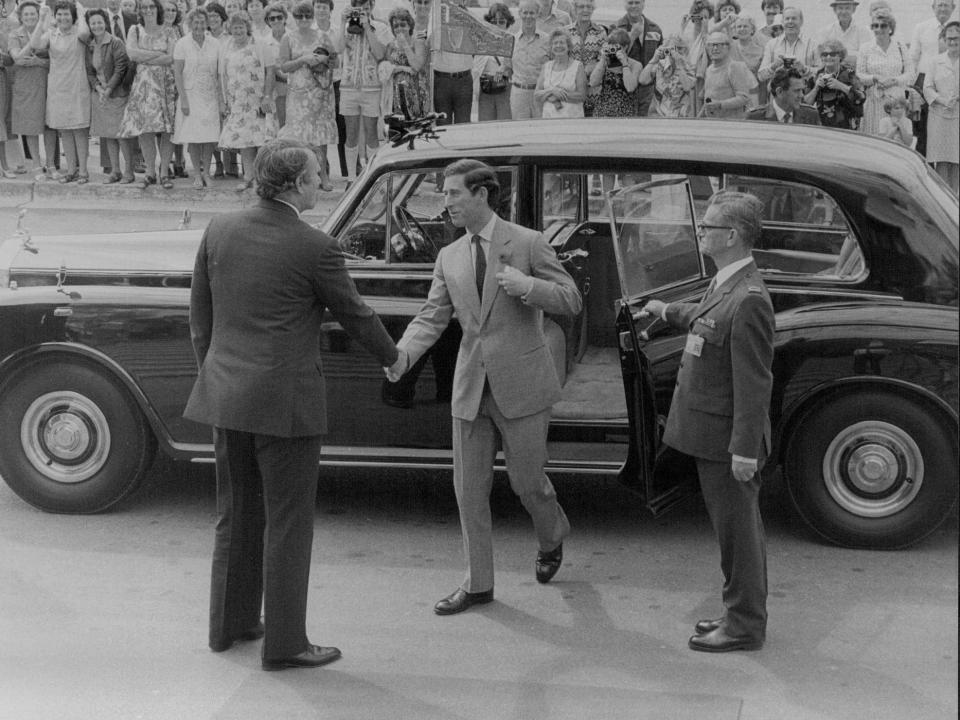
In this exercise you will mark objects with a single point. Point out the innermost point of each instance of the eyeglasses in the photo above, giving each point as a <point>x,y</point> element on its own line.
<point>301,16</point>
<point>831,53</point>
<point>501,21</point>
<point>702,230</point>
<point>275,18</point>
<point>879,26</point>
<point>717,45</point>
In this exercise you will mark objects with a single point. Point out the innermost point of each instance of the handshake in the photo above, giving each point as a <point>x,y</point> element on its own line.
<point>396,371</point>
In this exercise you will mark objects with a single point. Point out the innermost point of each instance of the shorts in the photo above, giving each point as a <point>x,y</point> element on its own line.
<point>359,102</point>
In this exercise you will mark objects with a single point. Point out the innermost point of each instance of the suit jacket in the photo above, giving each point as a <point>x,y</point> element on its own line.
<point>261,283</point>
<point>113,56</point>
<point>804,115</point>
<point>503,342</point>
<point>721,403</point>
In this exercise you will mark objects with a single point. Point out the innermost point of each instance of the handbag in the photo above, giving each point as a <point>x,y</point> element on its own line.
<point>490,85</point>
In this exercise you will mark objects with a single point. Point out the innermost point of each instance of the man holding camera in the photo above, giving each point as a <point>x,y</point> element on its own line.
<point>790,48</point>
<point>364,42</point>
<point>645,37</point>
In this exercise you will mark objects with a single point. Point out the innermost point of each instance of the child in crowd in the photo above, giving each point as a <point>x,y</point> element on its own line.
<point>896,125</point>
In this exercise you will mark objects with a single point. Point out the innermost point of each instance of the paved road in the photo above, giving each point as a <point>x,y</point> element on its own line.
<point>105,617</point>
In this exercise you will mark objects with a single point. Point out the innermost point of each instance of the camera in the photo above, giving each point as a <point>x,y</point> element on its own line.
<point>788,62</point>
<point>355,20</point>
<point>610,50</point>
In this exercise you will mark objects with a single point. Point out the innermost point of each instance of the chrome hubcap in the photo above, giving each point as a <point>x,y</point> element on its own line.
<point>873,469</point>
<point>65,436</point>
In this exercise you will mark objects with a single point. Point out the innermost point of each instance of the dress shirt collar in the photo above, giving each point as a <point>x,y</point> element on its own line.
<point>778,110</point>
<point>486,233</point>
<point>728,271</point>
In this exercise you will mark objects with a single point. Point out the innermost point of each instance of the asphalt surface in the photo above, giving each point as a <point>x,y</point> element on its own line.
<point>105,617</point>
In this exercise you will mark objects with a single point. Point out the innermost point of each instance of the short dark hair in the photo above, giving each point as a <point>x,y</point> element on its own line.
<point>65,5</point>
<point>328,3</point>
<point>278,165</point>
<point>499,9</point>
<point>743,211</point>
<point>782,77</point>
<point>476,175</point>
<point>97,11</point>
<point>27,3</point>
<point>158,5</point>
<point>772,3</point>
<point>213,8</point>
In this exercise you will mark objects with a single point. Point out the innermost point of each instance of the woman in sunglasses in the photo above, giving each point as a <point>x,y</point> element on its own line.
<point>835,90</point>
<point>885,68</point>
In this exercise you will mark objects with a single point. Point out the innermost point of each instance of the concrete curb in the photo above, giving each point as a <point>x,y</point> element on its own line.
<point>220,196</point>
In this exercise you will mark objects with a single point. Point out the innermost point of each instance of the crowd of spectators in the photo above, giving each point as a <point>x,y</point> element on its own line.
<point>151,78</point>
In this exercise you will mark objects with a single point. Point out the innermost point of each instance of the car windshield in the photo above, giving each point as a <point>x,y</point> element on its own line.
<point>654,235</point>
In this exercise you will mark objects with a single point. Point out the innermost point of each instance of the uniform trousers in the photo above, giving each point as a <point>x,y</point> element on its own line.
<point>524,442</point>
<point>734,511</point>
<point>266,496</point>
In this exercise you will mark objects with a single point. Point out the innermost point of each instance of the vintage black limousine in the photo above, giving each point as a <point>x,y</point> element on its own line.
<point>859,249</point>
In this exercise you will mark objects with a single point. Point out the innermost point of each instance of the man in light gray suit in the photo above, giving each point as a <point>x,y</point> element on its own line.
<point>499,279</point>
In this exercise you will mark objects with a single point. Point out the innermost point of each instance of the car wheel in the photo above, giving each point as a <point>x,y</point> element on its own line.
<point>71,439</point>
<point>872,470</point>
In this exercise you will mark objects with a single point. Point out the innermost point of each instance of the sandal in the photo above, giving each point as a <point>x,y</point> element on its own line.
<point>69,177</point>
<point>147,181</point>
<point>83,178</point>
<point>113,178</point>
<point>124,180</point>
<point>166,182</point>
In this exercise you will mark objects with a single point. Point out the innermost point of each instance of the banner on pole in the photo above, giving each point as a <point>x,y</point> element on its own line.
<point>462,33</point>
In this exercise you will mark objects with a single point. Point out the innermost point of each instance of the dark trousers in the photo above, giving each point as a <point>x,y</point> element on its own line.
<point>266,495</point>
<point>734,511</point>
<point>453,96</point>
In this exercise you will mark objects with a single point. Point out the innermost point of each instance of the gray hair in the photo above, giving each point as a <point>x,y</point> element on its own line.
<point>278,165</point>
<point>743,211</point>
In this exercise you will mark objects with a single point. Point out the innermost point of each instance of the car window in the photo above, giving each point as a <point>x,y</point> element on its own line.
<point>402,219</point>
<point>654,235</point>
<point>804,231</point>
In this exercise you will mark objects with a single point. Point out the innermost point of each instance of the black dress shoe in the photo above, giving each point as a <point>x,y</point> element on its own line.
<point>461,600</point>
<point>717,641</point>
<point>313,656</point>
<point>704,626</point>
<point>254,633</point>
<point>548,563</point>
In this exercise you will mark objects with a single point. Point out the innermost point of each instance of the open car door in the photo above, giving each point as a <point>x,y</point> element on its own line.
<point>655,245</point>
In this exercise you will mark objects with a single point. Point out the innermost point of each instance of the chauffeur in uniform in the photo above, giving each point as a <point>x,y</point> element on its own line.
<point>720,412</point>
<point>499,278</point>
<point>261,283</point>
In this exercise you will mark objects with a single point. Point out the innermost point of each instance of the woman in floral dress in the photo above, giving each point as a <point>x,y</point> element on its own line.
<point>247,83</point>
<point>401,66</point>
<point>311,113</point>
<point>151,109</point>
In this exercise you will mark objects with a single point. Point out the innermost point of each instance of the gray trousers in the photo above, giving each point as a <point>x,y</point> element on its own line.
<point>525,450</point>
<point>734,511</point>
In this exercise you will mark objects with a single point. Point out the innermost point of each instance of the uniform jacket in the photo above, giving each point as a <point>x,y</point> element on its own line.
<point>503,341</point>
<point>721,403</point>
<point>261,283</point>
<point>803,115</point>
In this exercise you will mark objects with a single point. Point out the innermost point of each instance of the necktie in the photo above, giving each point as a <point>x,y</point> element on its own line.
<point>117,28</point>
<point>480,267</point>
<point>788,117</point>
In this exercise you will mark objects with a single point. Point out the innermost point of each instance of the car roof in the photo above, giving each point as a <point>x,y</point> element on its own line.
<point>836,154</point>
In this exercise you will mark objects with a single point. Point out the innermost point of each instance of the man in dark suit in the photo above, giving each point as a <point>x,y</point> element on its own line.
<point>720,412</point>
<point>262,281</point>
<point>499,279</point>
<point>787,88</point>
<point>645,37</point>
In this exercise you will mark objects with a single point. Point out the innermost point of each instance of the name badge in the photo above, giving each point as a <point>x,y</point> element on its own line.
<point>694,345</point>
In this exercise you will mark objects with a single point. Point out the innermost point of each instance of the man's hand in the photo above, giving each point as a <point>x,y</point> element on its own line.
<point>396,371</point>
<point>743,470</point>
<point>653,308</point>
<point>514,281</point>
